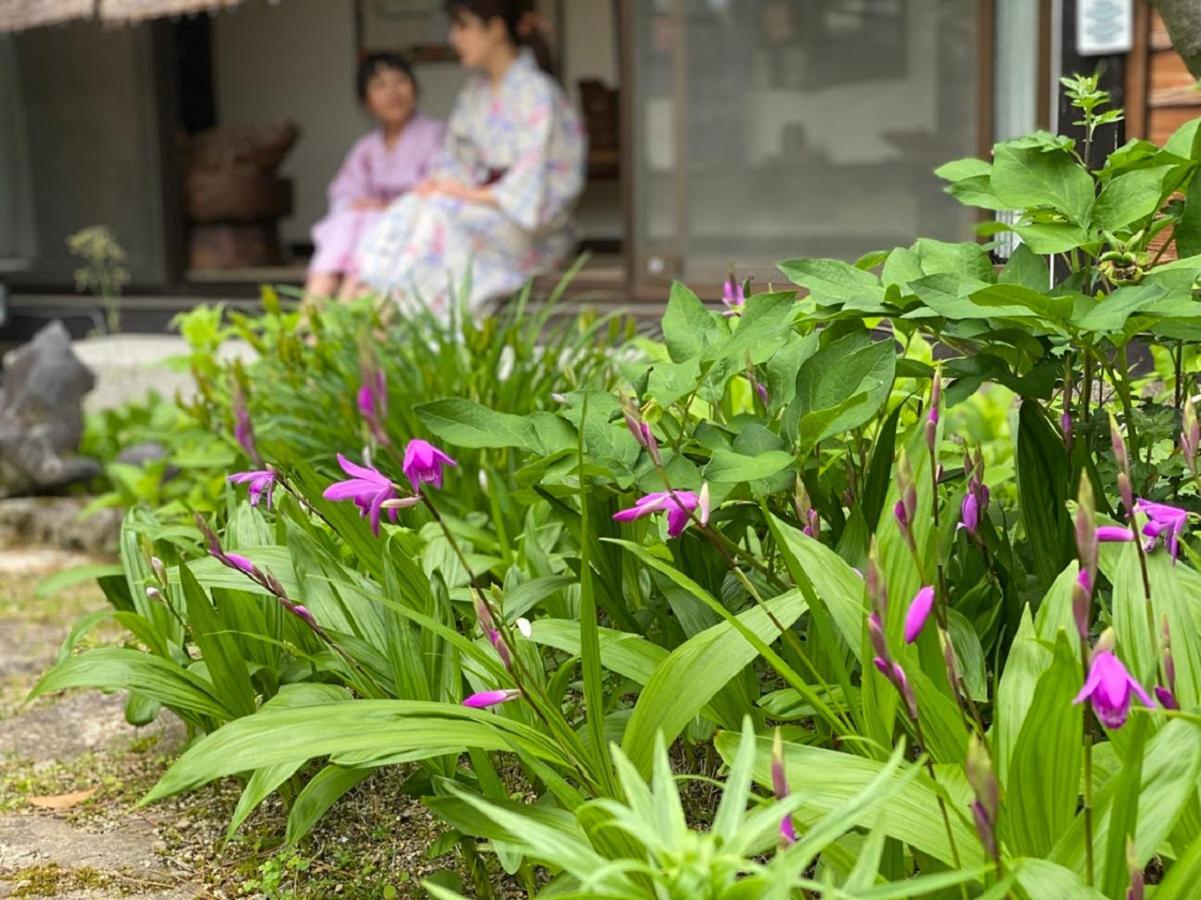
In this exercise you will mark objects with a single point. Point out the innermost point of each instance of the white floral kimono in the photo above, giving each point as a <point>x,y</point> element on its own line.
<point>524,140</point>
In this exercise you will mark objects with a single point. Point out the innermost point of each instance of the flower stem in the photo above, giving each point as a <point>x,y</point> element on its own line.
<point>1088,778</point>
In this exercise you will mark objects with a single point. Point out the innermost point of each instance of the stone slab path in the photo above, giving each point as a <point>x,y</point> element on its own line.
<point>70,752</point>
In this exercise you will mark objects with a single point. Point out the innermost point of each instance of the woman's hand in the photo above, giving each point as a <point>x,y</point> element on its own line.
<point>369,203</point>
<point>450,188</point>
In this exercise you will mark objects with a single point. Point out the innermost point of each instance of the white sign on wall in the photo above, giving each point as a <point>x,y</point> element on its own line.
<point>1104,27</point>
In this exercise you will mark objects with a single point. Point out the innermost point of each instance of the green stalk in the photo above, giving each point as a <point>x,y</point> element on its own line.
<point>1088,778</point>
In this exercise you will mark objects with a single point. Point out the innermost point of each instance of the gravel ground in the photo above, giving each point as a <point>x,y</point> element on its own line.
<point>71,772</point>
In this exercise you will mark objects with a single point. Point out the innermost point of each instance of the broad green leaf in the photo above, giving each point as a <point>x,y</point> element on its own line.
<point>116,669</point>
<point>966,260</point>
<point>1109,314</point>
<point>833,282</point>
<point>696,670</point>
<point>1043,476</point>
<point>1043,774</point>
<point>852,376</point>
<point>322,792</point>
<point>1026,177</point>
<point>830,778</point>
<point>218,647</point>
<point>688,327</point>
<point>1183,875</point>
<point>387,728</point>
<point>760,331</point>
<point>839,586</point>
<point>65,578</point>
<point>1129,198</point>
<point>1027,268</point>
<point>1171,766</point>
<point>728,467</point>
<point>465,423</point>
<point>672,381</point>
<point>1017,300</point>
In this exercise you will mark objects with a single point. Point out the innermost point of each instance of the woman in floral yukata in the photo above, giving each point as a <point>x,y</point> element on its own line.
<point>381,166</point>
<point>497,208</point>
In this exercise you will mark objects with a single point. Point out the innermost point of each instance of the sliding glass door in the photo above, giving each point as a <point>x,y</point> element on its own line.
<point>768,129</point>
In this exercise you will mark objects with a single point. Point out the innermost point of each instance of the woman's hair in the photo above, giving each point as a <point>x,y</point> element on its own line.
<point>373,63</point>
<point>520,20</point>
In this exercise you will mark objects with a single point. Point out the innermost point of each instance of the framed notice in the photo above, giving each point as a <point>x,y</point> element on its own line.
<point>416,28</point>
<point>1104,27</point>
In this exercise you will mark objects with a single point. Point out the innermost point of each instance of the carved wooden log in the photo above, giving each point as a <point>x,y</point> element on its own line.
<point>227,245</point>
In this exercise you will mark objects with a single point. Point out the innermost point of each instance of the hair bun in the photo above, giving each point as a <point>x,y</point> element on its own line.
<point>530,24</point>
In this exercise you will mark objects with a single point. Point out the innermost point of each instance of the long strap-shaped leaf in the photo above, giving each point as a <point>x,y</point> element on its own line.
<point>676,696</point>
<point>419,729</point>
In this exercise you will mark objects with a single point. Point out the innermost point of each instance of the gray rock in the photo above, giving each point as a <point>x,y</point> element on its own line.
<point>41,416</point>
<point>58,522</point>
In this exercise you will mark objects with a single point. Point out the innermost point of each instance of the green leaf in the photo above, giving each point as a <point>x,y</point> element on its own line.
<point>218,647</point>
<point>116,669</point>
<point>1172,760</point>
<point>318,796</point>
<point>833,282</point>
<point>1129,198</point>
<point>389,729</point>
<point>966,260</point>
<point>1051,237</point>
<point>671,381</point>
<point>465,423</point>
<point>830,778</point>
<point>959,169</point>
<point>728,467</point>
<point>1188,232</point>
<point>65,578</point>
<point>836,583</point>
<point>696,670</point>
<point>843,385</point>
<point>1043,775</point>
<point>1109,314</point>
<point>1184,875</point>
<point>688,327</point>
<point>1025,177</point>
<point>760,331</point>
<point>1027,268</point>
<point>1015,300</point>
<point>1043,476</point>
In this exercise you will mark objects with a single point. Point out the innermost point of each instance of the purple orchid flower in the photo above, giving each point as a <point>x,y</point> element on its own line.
<point>1163,521</point>
<point>1108,688</point>
<point>367,488</point>
<point>1108,534</point>
<point>237,561</point>
<point>677,504</point>
<point>919,612</point>
<point>485,699</point>
<point>779,781</point>
<point>372,401</point>
<point>261,484</point>
<point>1166,698</point>
<point>733,295</point>
<point>423,464</point>
<point>243,427</point>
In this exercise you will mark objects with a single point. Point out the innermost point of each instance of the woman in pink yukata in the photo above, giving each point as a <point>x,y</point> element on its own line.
<point>381,166</point>
<point>497,208</point>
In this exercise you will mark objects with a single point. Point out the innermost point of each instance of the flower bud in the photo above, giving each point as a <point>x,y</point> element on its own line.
<point>1118,442</point>
<point>1086,529</point>
<point>1190,435</point>
<point>703,504</point>
<point>1082,595</point>
<point>875,633</point>
<point>160,570</point>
